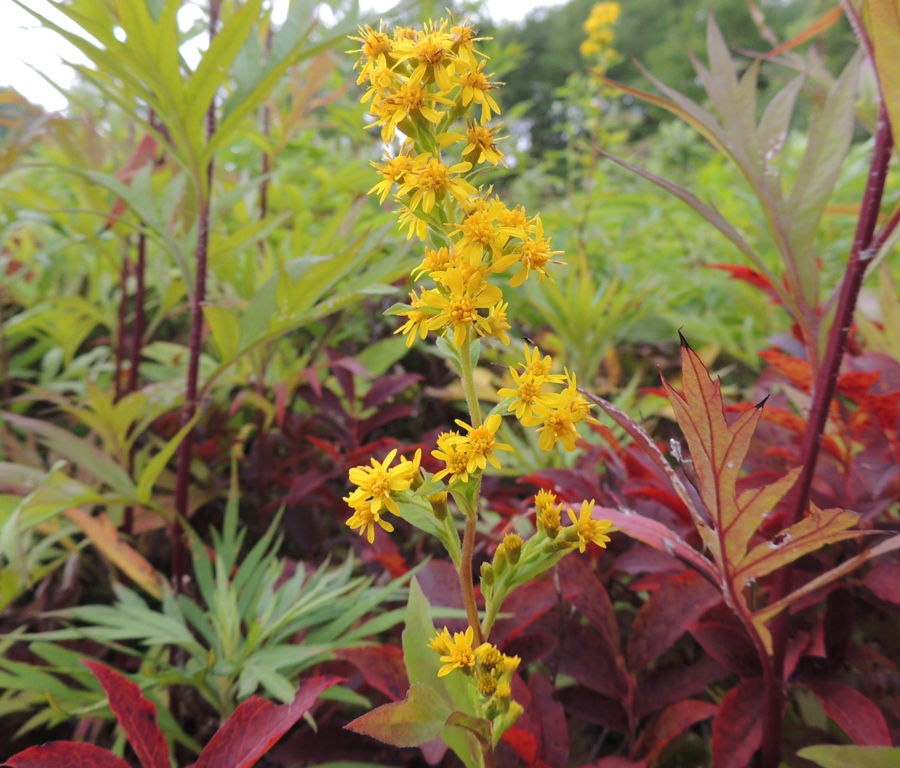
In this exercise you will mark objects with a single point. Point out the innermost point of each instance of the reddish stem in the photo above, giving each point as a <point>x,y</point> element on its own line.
<point>186,449</point>
<point>120,331</point>
<point>823,392</point>
<point>137,339</point>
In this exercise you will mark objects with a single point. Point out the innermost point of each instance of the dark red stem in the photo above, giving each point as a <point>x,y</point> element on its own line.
<point>137,341</point>
<point>186,449</point>
<point>861,255</point>
<point>120,331</point>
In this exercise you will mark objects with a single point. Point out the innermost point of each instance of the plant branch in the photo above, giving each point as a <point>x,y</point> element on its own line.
<point>198,296</point>
<point>861,254</point>
<point>466,581</point>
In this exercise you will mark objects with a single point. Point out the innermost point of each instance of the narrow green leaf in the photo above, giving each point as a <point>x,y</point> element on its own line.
<point>226,331</point>
<point>158,463</point>
<point>841,756</point>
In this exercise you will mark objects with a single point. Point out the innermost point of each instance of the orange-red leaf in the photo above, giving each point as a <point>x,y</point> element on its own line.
<point>825,21</point>
<point>72,754</point>
<point>798,371</point>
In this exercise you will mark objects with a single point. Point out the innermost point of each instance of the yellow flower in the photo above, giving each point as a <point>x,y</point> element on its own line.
<point>417,226</point>
<point>558,416</point>
<point>434,261</point>
<point>432,52</point>
<point>382,81</point>
<point>410,100</point>
<point>480,443</point>
<point>548,512</point>
<point>457,653</point>
<point>365,519</point>
<point>456,461</point>
<point>377,483</point>
<point>458,310</point>
<point>538,366</point>
<point>376,47</point>
<point>393,171</point>
<point>533,254</point>
<point>587,528</point>
<point>479,231</point>
<point>498,322</point>
<point>430,179</point>
<point>475,88</point>
<point>527,393</point>
<point>419,321</point>
<point>483,141</point>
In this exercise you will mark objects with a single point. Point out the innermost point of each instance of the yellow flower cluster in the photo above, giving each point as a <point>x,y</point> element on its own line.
<point>372,496</point>
<point>599,30</point>
<point>584,529</point>
<point>491,669</point>
<point>555,414</point>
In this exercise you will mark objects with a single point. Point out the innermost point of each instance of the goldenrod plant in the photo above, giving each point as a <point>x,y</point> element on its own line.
<point>431,98</point>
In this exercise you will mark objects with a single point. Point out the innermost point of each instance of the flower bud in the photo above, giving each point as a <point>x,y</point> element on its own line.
<point>512,543</point>
<point>487,575</point>
<point>439,505</point>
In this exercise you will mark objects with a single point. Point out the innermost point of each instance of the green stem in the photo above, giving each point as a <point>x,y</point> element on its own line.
<point>468,382</point>
<point>466,581</point>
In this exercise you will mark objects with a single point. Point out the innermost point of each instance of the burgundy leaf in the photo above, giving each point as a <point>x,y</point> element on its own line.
<point>585,657</point>
<point>525,606</point>
<point>592,599</point>
<point>135,713</point>
<point>883,581</point>
<point>665,616</point>
<point>257,724</point>
<point>641,559</point>
<point>385,416</point>
<point>728,644</point>
<point>388,386</point>
<point>382,667</point>
<point>65,754</point>
<point>549,718</point>
<point>670,724</point>
<point>856,714</point>
<point>593,707</point>
<point>737,729</point>
<point>670,683</point>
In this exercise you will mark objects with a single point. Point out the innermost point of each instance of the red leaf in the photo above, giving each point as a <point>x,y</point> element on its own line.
<point>855,384</point>
<point>748,275</point>
<point>668,499</point>
<point>614,761</point>
<point>585,657</point>
<point>257,724</point>
<point>593,707</point>
<point>671,723</point>
<point>523,742</point>
<point>737,729</point>
<point>135,713</point>
<point>592,599</point>
<point>798,371</point>
<point>382,667</point>
<point>665,616</point>
<point>550,720</point>
<point>856,714</point>
<point>670,683</point>
<point>65,754</point>
<point>884,582</point>
<point>729,645</point>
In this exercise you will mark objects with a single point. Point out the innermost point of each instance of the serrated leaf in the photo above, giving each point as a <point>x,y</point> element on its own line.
<point>416,720</point>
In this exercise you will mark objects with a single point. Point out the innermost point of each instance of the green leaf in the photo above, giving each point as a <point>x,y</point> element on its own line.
<point>158,463</point>
<point>412,722</point>
<point>885,29</point>
<point>826,148</point>
<point>840,756</point>
<point>226,331</point>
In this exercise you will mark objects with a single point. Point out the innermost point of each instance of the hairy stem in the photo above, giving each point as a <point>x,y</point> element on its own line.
<point>120,330</point>
<point>860,255</point>
<point>186,449</point>
<point>466,581</point>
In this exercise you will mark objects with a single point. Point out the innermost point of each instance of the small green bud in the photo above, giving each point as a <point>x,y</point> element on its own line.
<point>487,575</point>
<point>439,505</point>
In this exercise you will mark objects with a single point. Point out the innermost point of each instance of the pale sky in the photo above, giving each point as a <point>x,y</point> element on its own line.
<point>25,47</point>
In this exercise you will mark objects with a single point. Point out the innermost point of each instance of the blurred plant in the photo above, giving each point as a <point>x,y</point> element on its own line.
<point>240,742</point>
<point>257,621</point>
